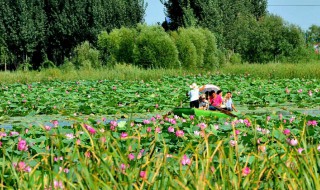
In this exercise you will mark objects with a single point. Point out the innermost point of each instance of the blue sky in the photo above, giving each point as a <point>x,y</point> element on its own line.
<point>295,13</point>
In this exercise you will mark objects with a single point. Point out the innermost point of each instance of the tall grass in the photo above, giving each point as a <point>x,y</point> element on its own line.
<point>129,72</point>
<point>95,163</point>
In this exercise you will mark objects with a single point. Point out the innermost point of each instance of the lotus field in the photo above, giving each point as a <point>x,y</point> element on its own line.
<point>273,144</point>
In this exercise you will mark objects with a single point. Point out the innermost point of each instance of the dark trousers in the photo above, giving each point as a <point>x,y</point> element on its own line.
<point>194,104</point>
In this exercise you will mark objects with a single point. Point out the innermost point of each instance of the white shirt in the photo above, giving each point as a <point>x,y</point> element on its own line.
<point>194,94</point>
<point>229,103</point>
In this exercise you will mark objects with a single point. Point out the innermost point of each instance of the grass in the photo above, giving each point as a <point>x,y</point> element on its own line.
<point>129,72</point>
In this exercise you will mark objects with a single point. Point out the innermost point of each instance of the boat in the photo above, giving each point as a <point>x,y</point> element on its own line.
<point>198,112</point>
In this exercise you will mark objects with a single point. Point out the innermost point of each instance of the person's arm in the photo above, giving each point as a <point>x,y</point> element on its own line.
<point>234,108</point>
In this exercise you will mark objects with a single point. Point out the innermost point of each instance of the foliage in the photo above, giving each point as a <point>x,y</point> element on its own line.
<point>39,30</point>
<point>86,56</point>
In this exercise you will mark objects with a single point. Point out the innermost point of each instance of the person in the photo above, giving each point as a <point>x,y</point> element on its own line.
<point>194,96</point>
<point>219,99</point>
<point>229,103</point>
<point>204,104</point>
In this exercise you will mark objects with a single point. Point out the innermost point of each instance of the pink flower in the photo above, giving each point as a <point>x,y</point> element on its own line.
<point>202,126</point>
<point>58,184</point>
<point>124,135</point>
<point>3,134</point>
<point>312,123</point>
<point>158,130</point>
<point>158,116</point>
<point>173,122</point>
<point>318,148</point>
<point>280,116</point>
<point>237,132</point>
<point>157,106</point>
<point>310,93</point>
<point>268,118</point>
<point>0,144</point>
<point>216,127</point>
<point>87,154</point>
<point>286,131</point>
<point>69,136</point>
<point>55,123</point>
<point>171,129</point>
<point>131,156</point>
<point>22,145</point>
<point>56,159</point>
<point>13,133</point>
<point>78,142</point>
<point>143,174</point>
<point>293,142</point>
<point>113,124</point>
<point>191,117</point>
<point>91,129</point>
<point>262,148</point>
<point>300,150</point>
<point>284,121</point>
<point>287,90</point>
<point>146,121</point>
<point>149,129</point>
<point>47,128</point>
<point>299,91</point>
<point>196,133</point>
<point>153,119</point>
<point>246,171</point>
<point>22,167</point>
<point>185,160</point>
<point>179,133</point>
<point>132,124</point>
<point>233,143</point>
<point>123,167</point>
<point>291,119</point>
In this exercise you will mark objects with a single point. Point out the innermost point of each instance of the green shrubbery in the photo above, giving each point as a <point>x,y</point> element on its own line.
<point>152,47</point>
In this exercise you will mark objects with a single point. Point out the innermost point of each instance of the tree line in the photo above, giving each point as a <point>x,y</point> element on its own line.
<point>40,33</point>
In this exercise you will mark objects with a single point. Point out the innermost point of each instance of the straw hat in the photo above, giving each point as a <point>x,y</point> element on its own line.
<point>194,86</point>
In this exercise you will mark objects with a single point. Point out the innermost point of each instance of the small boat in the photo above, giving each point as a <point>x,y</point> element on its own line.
<point>199,112</point>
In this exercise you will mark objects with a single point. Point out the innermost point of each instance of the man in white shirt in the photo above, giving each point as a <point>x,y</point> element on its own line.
<point>228,102</point>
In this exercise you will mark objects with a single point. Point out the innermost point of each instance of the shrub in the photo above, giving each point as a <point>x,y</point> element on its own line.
<point>85,54</point>
<point>210,58</point>
<point>154,48</point>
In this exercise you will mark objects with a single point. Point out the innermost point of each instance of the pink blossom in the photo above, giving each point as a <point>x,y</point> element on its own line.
<point>171,129</point>
<point>184,120</point>
<point>280,116</point>
<point>191,117</point>
<point>176,117</point>
<point>173,122</point>
<point>156,106</point>
<point>78,142</point>
<point>13,133</point>
<point>196,133</point>
<point>0,144</point>
<point>146,122</point>
<point>233,143</point>
<point>22,167</point>
<point>310,93</point>
<point>123,167</point>
<point>318,148</point>
<point>131,156</point>
<point>179,133</point>
<point>286,131</point>
<point>69,136</point>
<point>47,128</point>
<point>202,126</point>
<point>143,174</point>
<point>132,124</point>
<point>153,119</point>
<point>262,148</point>
<point>268,118</point>
<point>3,134</point>
<point>22,145</point>
<point>55,123</point>
<point>299,91</point>
<point>58,184</point>
<point>300,150</point>
<point>158,116</point>
<point>291,119</point>
<point>216,127</point>
<point>87,154</point>
<point>113,123</point>
<point>237,132</point>
<point>293,142</point>
<point>247,122</point>
<point>91,130</point>
<point>312,123</point>
<point>56,159</point>
<point>185,160</point>
<point>124,135</point>
<point>284,121</point>
<point>158,130</point>
<point>149,129</point>
<point>246,171</point>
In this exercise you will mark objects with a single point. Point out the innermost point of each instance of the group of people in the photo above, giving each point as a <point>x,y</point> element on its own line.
<point>210,100</point>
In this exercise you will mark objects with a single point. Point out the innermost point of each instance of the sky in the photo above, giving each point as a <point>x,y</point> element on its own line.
<point>299,12</point>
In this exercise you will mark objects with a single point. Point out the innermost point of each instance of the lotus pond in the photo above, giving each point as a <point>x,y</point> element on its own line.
<point>274,144</point>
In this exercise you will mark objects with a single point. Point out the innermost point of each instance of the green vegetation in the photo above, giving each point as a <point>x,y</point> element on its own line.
<point>269,150</point>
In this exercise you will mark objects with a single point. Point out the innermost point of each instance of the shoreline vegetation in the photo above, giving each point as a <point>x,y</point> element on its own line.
<point>130,72</point>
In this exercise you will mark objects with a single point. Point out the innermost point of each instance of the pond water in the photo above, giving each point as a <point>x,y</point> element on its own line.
<point>9,122</point>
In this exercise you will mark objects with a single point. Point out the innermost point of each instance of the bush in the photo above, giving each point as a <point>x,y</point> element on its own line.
<point>211,57</point>
<point>86,55</point>
<point>154,48</point>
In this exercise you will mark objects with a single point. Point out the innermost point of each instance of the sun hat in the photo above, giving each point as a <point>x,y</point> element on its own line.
<point>194,86</point>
